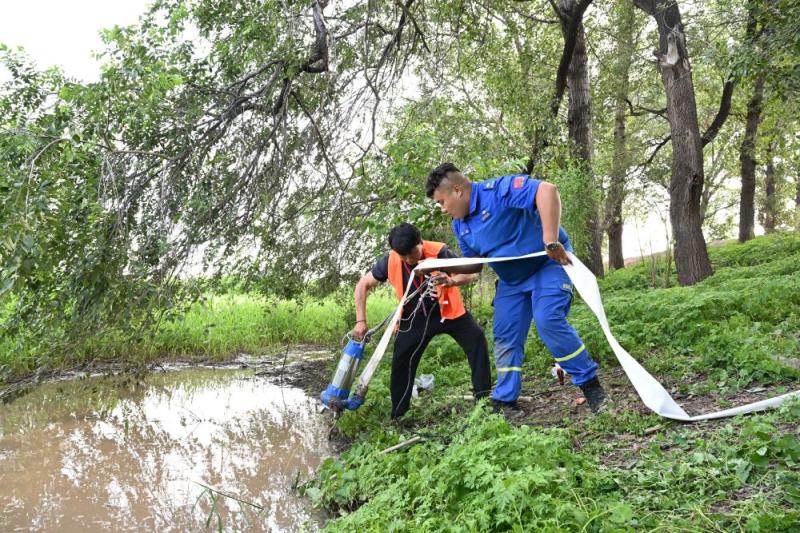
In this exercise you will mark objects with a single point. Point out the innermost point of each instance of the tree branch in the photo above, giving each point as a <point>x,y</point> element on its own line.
<point>320,138</point>
<point>571,24</point>
<point>559,14</point>
<point>722,114</point>
<point>659,112</point>
<point>318,59</point>
<point>408,14</point>
<point>648,6</point>
<point>658,147</point>
<point>570,39</point>
<point>398,32</point>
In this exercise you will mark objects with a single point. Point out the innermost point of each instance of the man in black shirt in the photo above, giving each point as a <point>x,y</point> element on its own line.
<point>427,314</point>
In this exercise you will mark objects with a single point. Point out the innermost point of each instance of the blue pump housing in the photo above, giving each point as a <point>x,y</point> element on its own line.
<point>336,395</point>
<point>354,349</point>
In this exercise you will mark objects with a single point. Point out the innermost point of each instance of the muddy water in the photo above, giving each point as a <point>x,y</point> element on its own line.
<point>122,455</point>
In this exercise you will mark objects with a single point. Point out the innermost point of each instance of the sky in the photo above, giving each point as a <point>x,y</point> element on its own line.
<point>66,33</point>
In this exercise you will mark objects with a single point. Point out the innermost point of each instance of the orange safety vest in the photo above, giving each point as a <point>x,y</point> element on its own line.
<point>450,303</point>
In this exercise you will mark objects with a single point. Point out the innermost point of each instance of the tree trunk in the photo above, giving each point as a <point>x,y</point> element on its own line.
<point>616,258</point>
<point>579,119</point>
<point>770,201</point>
<point>619,165</point>
<point>686,183</point>
<point>747,163</point>
<point>797,203</point>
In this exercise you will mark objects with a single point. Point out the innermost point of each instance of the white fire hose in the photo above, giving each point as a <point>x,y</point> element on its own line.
<point>652,393</point>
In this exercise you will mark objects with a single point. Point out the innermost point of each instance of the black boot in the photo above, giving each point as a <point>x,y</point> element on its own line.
<point>595,395</point>
<point>510,410</point>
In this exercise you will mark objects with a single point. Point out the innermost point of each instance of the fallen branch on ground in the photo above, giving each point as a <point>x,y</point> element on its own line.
<point>403,444</point>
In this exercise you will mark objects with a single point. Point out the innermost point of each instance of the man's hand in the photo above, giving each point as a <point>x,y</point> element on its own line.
<point>442,279</point>
<point>359,330</point>
<point>557,253</point>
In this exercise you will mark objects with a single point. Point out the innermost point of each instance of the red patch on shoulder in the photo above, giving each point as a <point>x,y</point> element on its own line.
<point>519,181</point>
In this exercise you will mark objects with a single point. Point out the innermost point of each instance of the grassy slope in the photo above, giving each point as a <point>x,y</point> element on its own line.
<point>712,345</point>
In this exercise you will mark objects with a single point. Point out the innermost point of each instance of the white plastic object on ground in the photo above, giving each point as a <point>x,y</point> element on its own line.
<point>424,382</point>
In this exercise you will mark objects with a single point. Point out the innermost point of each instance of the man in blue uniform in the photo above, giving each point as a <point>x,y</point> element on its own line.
<point>511,216</point>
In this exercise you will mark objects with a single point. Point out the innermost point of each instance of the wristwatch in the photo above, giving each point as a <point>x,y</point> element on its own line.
<point>552,246</point>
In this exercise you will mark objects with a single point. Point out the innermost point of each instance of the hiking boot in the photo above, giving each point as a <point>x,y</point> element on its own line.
<point>510,410</point>
<point>595,395</point>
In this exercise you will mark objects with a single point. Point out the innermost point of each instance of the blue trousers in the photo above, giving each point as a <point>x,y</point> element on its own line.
<point>545,298</point>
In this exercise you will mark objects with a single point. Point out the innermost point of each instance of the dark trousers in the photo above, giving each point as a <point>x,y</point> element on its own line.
<point>411,341</point>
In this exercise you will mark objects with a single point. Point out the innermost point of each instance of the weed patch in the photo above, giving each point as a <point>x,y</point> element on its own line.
<point>626,470</point>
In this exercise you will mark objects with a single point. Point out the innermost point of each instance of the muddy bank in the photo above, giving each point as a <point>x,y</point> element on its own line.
<point>285,364</point>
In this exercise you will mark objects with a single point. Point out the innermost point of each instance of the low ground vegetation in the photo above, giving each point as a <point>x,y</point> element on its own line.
<point>731,339</point>
<point>726,341</point>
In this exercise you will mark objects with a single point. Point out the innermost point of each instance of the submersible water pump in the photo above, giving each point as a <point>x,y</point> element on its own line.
<point>336,396</point>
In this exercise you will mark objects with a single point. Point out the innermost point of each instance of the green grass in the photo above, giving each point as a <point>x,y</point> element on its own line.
<point>217,327</point>
<point>729,326</point>
<point>478,473</point>
<point>612,472</point>
<point>231,323</point>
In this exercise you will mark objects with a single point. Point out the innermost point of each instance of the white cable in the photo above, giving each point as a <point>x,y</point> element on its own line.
<point>410,381</point>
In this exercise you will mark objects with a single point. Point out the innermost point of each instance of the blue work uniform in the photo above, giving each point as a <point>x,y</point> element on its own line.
<point>503,221</point>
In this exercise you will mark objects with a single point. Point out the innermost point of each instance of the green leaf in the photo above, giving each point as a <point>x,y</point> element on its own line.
<point>759,460</point>
<point>792,495</point>
<point>743,469</point>
<point>314,493</point>
<point>621,514</point>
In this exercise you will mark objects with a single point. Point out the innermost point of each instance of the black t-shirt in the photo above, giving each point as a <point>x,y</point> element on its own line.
<point>381,273</point>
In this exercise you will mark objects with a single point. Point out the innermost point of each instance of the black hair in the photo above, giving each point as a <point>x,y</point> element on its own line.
<point>436,176</point>
<point>403,238</point>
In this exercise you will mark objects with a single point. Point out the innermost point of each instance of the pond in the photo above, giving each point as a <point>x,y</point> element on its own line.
<point>154,454</point>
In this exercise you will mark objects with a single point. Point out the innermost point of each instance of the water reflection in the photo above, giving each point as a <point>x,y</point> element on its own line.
<point>110,454</point>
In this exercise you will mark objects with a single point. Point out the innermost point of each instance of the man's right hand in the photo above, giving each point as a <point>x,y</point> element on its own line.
<point>360,330</point>
<point>558,253</point>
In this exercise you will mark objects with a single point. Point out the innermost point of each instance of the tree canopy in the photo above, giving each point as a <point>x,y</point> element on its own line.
<point>278,142</point>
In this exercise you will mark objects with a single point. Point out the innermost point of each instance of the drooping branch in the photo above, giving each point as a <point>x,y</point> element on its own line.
<point>317,61</point>
<point>408,14</point>
<point>575,19</point>
<point>722,114</point>
<point>224,167</point>
<point>397,34</point>
<point>571,24</point>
